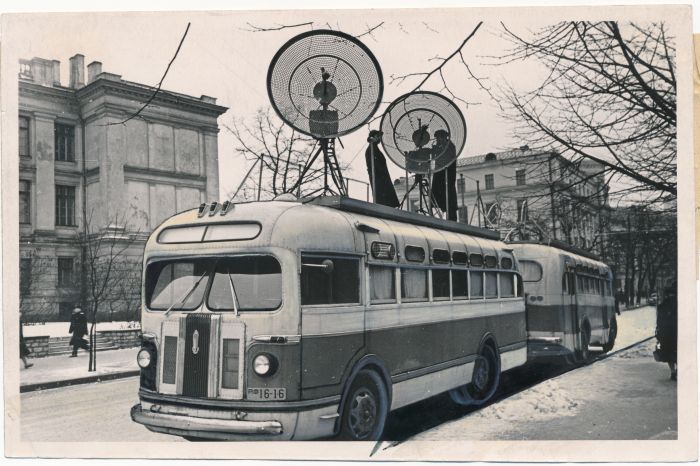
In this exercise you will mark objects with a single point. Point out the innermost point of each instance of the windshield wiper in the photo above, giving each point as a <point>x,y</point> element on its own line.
<point>233,295</point>
<point>187,295</point>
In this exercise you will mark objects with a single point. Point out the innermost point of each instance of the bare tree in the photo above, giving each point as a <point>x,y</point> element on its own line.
<point>609,95</point>
<point>37,275</point>
<point>280,153</point>
<point>106,264</point>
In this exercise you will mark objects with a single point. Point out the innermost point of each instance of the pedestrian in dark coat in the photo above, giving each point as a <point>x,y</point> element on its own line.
<point>667,330</point>
<point>445,149</point>
<point>23,350</point>
<point>384,192</point>
<point>78,327</point>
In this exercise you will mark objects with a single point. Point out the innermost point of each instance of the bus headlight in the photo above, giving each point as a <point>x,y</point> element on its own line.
<point>264,365</point>
<point>143,358</point>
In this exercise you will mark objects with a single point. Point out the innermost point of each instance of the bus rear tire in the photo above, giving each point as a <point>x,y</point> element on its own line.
<point>485,379</point>
<point>612,336</point>
<point>365,409</point>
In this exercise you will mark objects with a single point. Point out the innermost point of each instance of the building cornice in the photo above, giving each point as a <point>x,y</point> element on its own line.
<point>143,93</point>
<point>164,176</point>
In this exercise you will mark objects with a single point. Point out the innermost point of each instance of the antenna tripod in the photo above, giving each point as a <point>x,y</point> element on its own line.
<point>330,167</point>
<point>426,200</point>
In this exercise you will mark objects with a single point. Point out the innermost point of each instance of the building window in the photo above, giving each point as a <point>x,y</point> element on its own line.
<point>489,181</point>
<point>65,206</point>
<point>520,177</point>
<point>64,138</point>
<point>25,269</point>
<point>24,137</point>
<point>25,202</point>
<point>65,272</point>
<point>522,210</point>
<point>461,185</point>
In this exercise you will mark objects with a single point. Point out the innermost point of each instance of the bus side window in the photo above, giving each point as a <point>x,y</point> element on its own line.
<point>414,284</point>
<point>572,283</point>
<point>382,287</point>
<point>491,284</point>
<point>459,284</point>
<point>507,284</point>
<point>565,283</point>
<point>441,284</point>
<point>324,284</point>
<point>476,280</point>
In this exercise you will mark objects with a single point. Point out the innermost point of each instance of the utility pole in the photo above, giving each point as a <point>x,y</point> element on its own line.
<point>463,186</point>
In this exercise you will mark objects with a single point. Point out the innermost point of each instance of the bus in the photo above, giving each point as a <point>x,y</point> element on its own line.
<point>569,300</point>
<point>297,320</point>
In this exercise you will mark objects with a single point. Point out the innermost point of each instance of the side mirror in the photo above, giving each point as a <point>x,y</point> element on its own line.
<point>327,266</point>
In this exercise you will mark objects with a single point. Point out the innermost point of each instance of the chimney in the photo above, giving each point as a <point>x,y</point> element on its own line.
<point>56,66</point>
<point>77,71</point>
<point>94,69</point>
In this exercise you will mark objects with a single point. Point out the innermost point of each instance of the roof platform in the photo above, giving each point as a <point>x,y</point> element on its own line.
<point>356,206</point>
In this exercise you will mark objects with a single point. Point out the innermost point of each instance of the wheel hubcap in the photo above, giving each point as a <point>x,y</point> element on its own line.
<point>363,413</point>
<point>481,374</point>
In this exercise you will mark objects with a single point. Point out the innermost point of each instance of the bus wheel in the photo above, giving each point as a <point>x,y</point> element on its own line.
<point>584,354</point>
<point>365,409</point>
<point>485,379</point>
<point>612,335</point>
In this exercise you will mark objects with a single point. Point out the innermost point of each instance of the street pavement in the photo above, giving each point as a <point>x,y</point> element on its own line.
<point>61,370</point>
<point>94,412</point>
<point>626,396</point>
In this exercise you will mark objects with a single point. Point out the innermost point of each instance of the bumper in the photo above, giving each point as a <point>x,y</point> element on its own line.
<point>235,423</point>
<point>542,348</point>
<point>172,423</point>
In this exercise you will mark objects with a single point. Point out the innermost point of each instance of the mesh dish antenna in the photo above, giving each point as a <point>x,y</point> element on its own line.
<point>325,84</point>
<point>413,126</point>
<point>410,124</point>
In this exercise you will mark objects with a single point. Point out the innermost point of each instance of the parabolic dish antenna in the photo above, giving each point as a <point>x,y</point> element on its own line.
<point>410,125</point>
<point>325,83</point>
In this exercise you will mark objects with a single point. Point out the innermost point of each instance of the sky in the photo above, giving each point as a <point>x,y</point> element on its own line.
<point>223,58</point>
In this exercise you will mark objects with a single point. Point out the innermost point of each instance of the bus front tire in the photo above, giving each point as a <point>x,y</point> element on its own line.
<point>365,409</point>
<point>486,376</point>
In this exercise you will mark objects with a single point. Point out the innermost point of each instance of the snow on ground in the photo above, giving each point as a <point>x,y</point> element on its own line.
<point>60,329</point>
<point>544,401</point>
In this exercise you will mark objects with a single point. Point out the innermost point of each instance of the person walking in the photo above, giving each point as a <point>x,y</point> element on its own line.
<point>667,330</point>
<point>78,327</point>
<point>23,349</point>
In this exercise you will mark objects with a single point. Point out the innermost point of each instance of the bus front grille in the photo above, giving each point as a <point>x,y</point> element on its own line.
<point>196,361</point>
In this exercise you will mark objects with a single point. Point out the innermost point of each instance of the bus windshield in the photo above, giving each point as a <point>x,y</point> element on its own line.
<point>177,285</point>
<point>247,283</point>
<point>241,283</point>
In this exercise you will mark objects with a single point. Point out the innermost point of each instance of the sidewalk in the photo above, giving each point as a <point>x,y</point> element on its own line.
<point>59,371</point>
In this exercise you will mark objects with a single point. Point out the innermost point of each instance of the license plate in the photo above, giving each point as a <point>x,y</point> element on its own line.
<point>267,394</point>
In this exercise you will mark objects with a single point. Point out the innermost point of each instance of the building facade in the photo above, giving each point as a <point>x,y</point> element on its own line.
<point>527,194</point>
<point>95,162</point>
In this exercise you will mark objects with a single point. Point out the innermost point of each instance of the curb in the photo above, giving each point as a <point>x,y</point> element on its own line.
<point>77,381</point>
